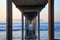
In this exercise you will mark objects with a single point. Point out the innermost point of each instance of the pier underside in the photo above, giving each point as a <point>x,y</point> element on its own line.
<point>30,9</point>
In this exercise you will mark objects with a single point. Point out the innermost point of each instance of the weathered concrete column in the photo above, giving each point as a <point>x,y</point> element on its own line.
<point>22,26</point>
<point>51,19</point>
<point>9,20</point>
<point>38,26</point>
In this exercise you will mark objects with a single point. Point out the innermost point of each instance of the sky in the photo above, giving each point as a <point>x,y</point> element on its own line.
<point>17,13</point>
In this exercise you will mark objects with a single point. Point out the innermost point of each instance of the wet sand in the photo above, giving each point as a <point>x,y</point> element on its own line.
<point>17,35</point>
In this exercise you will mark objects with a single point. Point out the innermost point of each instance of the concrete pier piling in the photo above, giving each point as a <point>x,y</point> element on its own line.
<point>50,19</point>
<point>9,20</point>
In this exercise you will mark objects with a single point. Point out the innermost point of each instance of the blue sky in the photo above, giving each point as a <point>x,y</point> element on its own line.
<point>43,13</point>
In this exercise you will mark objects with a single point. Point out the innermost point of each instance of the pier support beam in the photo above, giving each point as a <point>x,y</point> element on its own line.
<point>38,26</point>
<point>51,19</point>
<point>22,27</point>
<point>9,20</point>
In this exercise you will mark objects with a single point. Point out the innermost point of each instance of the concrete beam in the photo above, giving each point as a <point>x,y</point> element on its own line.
<point>38,25</point>
<point>9,20</point>
<point>22,26</point>
<point>30,2</point>
<point>51,19</point>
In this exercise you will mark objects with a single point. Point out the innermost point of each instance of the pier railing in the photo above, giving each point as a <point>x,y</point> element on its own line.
<point>50,20</point>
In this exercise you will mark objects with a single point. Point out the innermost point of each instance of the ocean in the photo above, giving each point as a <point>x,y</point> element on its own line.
<point>17,30</point>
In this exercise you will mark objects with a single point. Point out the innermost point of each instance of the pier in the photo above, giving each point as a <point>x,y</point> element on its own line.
<point>30,9</point>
